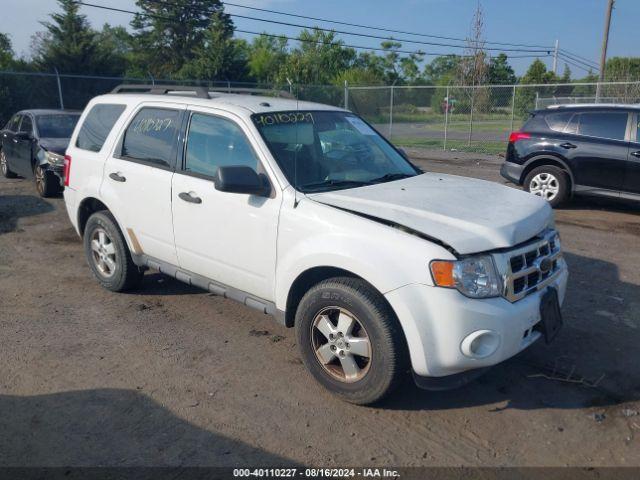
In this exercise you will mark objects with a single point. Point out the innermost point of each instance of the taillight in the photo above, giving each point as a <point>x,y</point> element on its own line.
<point>515,136</point>
<point>67,169</point>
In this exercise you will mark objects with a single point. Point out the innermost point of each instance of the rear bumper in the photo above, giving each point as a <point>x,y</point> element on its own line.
<point>71,205</point>
<point>512,172</point>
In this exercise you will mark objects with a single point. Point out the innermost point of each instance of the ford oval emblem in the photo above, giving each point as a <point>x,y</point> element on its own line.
<point>545,265</point>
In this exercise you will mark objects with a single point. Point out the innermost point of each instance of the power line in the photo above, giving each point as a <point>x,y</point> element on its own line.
<point>578,56</point>
<point>579,60</point>
<point>381,29</point>
<point>317,42</point>
<point>357,34</point>
<point>577,65</point>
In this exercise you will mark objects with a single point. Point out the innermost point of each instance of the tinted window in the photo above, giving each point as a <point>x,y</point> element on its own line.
<point>604,124</point>
<point>97,125</point>
<point>56,125</point>
<point>27,125</point>
<point>558,121</point>
<point>151,136</point>
<point>216,142</point>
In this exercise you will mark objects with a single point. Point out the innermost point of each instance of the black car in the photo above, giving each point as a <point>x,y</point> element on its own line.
<point>577,149</point>
<point>33,146</point>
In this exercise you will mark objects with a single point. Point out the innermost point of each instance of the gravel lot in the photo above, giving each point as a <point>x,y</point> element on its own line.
<point>171,375</point>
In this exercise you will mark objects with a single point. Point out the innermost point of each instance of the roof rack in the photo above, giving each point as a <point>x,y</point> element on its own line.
<point>592,105</point>
<point>200,91</point>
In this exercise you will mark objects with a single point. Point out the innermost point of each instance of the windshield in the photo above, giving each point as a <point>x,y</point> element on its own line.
<point>56,125</point>
<point>329,150</point>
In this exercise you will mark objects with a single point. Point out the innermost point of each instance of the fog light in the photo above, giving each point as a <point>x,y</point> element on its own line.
<point>480,344</point>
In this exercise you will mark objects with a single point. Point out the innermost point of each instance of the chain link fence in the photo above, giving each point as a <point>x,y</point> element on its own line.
<point>454,118</point>
<point>471,119</point>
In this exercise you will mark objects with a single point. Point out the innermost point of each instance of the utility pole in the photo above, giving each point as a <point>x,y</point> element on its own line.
<point>555,58</point>
<point>605,41</point>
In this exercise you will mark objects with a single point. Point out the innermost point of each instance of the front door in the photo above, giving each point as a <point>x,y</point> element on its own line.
<point>226,237</point>
<point>598,153</point>
<point>632,176</point>
<point>136,184</point>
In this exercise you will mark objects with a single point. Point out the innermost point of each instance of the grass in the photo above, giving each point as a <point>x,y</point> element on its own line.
<point>488,147</point>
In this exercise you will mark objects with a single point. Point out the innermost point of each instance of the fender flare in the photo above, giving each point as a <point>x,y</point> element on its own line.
<point>548,158</point>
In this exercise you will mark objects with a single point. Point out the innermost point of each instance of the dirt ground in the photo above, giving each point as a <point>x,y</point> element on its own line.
<point>171,375</point>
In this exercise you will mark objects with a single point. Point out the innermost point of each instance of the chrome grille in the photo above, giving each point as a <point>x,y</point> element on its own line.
<point>530,267</point>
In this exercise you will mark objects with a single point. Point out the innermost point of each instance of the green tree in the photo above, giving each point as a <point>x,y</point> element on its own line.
<point>219,56</point>
<point>70,45</point>
<point>6,52</point>
<point>267,56</point>
<point>500,72</point>
<point>170,35</point>
<point>441,67</point>
<point>397,68</point>
<point>538,74</point>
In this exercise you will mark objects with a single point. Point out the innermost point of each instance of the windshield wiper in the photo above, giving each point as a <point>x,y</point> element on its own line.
<point>389,177</point>
<point>333,183</point>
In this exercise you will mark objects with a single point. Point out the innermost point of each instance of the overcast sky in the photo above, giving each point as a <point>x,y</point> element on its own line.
<point>577,24</point>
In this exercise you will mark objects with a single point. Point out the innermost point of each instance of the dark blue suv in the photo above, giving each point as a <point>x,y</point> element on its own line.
<point>577,149</point>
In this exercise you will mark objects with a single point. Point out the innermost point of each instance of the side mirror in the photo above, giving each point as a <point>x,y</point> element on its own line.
<point>241,179</point>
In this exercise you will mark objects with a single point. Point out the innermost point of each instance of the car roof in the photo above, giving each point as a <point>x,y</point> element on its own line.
<point>227,101</point>
<point>591,106</point>
<point>48,111</point>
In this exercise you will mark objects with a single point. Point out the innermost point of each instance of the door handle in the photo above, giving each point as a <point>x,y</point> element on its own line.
<point>187,197</point>
<point>15,140</point>
<point>568,145</point>
<point>117,177</point>
<point>636,154</point>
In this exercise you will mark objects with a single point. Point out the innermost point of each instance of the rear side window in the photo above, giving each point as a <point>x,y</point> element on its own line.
<point>559,121</point>
<point>27,125</point>
<point>97,125</point>
<point>14,123</point>
<point>151,136</point>
<point>612,125</point>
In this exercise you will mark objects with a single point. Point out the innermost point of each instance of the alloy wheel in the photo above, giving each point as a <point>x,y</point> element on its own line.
<point>39,173</point>
<point>104,252</point>
<point>341,344</point>
<point>545,185</point>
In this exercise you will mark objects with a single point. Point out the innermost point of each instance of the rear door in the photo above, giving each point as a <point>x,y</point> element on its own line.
<point>23,147</point>
<point>8,140</point>
<point>632,175</point>
<point>137,178</point>
<point>597,153</point>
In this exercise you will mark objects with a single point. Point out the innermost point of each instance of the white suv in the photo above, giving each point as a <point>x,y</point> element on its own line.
<point>305,212</point>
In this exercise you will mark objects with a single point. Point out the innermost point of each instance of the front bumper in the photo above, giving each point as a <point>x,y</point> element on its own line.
<point>438,323</point>
<point>512,172</point>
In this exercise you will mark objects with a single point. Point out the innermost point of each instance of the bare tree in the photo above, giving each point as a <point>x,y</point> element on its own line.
<point>473,68</point>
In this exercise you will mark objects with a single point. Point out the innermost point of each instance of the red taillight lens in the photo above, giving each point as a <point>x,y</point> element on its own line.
<point>515,136</point>
<point>67,169</point>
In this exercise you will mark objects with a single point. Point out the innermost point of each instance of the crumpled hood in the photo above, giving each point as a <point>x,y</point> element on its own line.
<point>468,214</point>
<point>54,145</point>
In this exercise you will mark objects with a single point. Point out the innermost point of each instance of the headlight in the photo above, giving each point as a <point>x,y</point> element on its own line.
<point>475,277</point>
<point>54,159</point>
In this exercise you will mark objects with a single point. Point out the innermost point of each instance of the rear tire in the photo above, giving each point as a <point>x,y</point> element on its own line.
<point>548,182</point>
<point>350,340</point>
<point>47,182</point>
<point>4,166</point>
<point>108,254</point>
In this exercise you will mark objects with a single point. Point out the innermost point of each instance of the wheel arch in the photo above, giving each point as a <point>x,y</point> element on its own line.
<point>312,276</point>
<point>88,206</point>
<point>541,160</point>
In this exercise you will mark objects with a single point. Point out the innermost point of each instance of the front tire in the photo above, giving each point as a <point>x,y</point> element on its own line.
<point>350,340</point>
<point>47,183</point>
<point>4,166</point>
<point>548,182</point>
<point>108,254</point>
